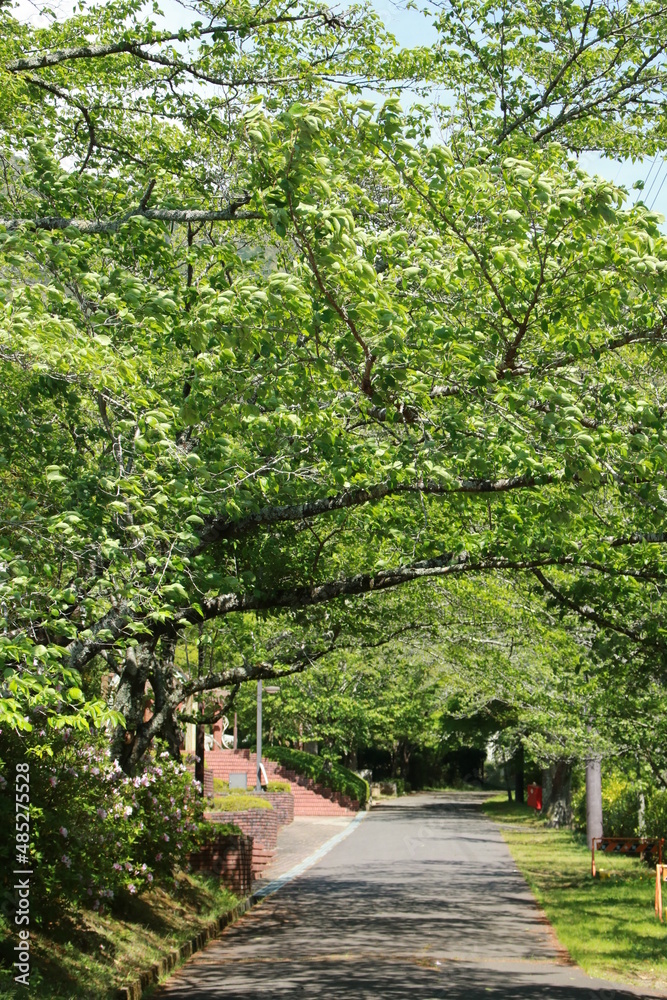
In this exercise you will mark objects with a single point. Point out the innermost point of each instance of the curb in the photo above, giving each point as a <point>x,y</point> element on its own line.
<point>152,976</point>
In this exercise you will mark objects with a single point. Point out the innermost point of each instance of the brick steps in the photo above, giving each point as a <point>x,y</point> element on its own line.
<point>310,799</point>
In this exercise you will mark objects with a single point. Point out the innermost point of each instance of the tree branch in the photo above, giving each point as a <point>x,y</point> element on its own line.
<point>124,622</point>
<point>44,59</point>
<point>586,612</point>
<point>177,215</point>
<point>221,528</point>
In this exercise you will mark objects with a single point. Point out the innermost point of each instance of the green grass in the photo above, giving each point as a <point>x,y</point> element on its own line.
<point>607,924</point>
<point>88,956</point>
<point>238,802</point>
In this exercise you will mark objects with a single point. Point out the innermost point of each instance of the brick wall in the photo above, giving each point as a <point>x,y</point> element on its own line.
<point>283,805</point>
<point>259,824</point>
<point>230,857</point>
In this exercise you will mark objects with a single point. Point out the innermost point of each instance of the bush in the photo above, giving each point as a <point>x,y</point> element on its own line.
<point>279,786</point>
<point>96,833</point>
<point>334,776</point>
<point>222,787</point>
<point>655,816</point>
<point>620,808</point>
<point>238,802</point>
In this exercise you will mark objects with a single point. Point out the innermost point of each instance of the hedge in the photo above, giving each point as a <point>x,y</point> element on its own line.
<point>333,776</point>
<point>238,802</point>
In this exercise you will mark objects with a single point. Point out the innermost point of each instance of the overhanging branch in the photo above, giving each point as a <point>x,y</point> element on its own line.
<point>221,527</point>
<point>176,215</point>
<point>116,623</point>
<point>587,613</point>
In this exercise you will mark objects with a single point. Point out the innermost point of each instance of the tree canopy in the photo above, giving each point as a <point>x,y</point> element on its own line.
<point>270,348</point>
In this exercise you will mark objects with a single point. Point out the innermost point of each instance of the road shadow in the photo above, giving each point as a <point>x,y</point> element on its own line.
<point>421,903</point>
<point>372,978</point>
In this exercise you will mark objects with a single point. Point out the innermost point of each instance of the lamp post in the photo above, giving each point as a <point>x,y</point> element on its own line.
<point>269,690</point>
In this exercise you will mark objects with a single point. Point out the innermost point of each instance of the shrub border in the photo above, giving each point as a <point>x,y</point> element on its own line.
<point>339,778</point>
<point>151,976</point>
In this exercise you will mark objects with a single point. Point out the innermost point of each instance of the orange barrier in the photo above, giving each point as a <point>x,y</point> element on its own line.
<point>633,846</point>
<point>660,877</point>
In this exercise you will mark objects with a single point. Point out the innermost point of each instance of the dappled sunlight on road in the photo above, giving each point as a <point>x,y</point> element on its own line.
<point>422,900</point>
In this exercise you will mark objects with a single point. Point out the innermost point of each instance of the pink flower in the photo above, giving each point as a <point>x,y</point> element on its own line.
<point>118,867</point>
<point>165,836</point>
<point>53,781</point>
<point>66,861</point>
<point>131,888</point>
<point>149,877</point>
<point>158,857</point>
<point>102,813</point>
<point>63,831</point>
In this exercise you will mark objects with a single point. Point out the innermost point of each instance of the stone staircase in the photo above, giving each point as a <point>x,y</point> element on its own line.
<point>310,799</point>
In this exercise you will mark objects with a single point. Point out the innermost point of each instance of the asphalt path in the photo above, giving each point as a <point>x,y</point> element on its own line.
<point>421,901</point>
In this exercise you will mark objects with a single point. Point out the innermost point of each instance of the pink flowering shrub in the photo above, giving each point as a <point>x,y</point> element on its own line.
<point>95,832</point>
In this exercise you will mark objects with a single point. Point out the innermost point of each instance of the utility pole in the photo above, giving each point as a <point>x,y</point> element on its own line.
<point>258,786</point>
<point>593,799</point>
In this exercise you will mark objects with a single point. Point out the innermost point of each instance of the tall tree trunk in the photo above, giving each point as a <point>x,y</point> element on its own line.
<point>407,754</point>
<point>200,751</point>
<point>593,799</point>
<point>144,665</point>
<point>130,700</point>
<point>557,788</point>
<point>163,682</point>
<point>508,781</point>
<point>519,766</point>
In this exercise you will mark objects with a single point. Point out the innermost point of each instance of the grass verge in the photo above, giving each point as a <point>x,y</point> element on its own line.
<point>88,956</point>
<point>607,924</point>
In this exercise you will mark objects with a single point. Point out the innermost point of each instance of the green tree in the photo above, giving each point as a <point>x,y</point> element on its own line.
<point>267,348</point>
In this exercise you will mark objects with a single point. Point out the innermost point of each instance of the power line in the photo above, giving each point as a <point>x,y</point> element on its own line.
<point>657,174</point>
<point>659,190</point>
<point>650,169</point>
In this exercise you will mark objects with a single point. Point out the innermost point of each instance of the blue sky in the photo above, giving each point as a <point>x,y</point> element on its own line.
<point>411,27</point>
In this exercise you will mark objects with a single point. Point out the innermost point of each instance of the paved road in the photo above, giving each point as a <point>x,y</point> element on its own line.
<point>302,837</point>
<point>421,902</point>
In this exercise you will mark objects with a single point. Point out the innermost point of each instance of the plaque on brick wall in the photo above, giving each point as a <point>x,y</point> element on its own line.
<point>238,779</point>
